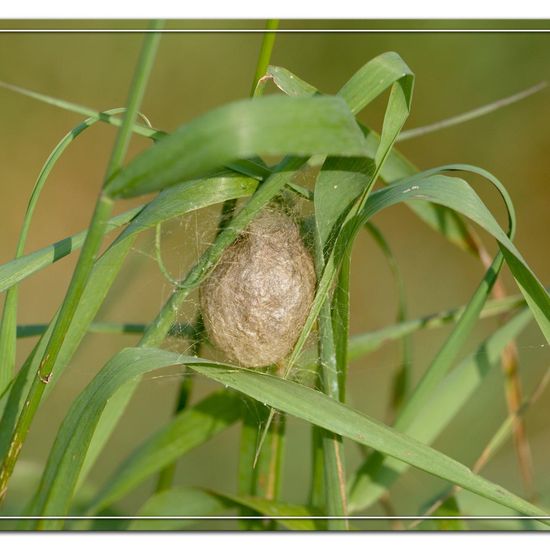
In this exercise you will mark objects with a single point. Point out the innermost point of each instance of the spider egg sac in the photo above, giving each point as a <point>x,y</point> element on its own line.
<point>257,298</point>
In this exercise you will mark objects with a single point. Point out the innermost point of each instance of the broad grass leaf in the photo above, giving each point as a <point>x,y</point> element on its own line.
<point>312,406</point>
<point>184,432</point>
<point>202,502</point>
<point>178,501</point>
<point>275,125</point>
<point>183,198</point>
<point>396,166</point>
<point>377,474</point>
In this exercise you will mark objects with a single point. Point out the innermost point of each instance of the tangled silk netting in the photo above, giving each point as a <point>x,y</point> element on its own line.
<point>257,298</point>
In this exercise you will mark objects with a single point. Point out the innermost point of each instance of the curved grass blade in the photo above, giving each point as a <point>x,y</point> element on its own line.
<point>9,317</point>
<point>145,131</point>
<point>289,83</point>
<point>373,78</point>
<point>456,193</point>
<point>202,502</point>
<point>161,326</point>
<point>69,449</point>
<point>453,193</point>
<point>183,433</point>
<point>395,167</point>
<point>495,443</point>
<point>178,501</point>
<point>402,379</point>
<point>181,199</point>
<point>378,473</point>
<point>535,294</point>
<point>96,231</point>
<point>275,125</point>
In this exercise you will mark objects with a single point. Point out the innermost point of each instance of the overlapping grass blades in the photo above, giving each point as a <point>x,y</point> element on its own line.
<point>276,125</point>
<point>67,455</point>
<point>188,168</point>
<point>451,192</point>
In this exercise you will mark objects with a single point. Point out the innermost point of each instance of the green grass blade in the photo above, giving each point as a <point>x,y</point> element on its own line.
<point>373,78</point>
<point>402,379</point>
<point>377,474</point>
<point>19,269</point>
<point>175,201</point>
<point>338,185</point>
<point>184,432</point>
<point>358,345</point>
<point>340,324</point>
<point>83,269</point>
<point>201,502</point>
<point>9,316</point>
<point>536,296</point>
<point>189,196</point>
<point>453,193</point>
<point>332,445</point>
<point>77,429</point>
<point>274,125</point>
<point>362,344</point>
<point>161,326</point>
<point>266,49</point>
<point>289,83</point>
<point>103,116</point>
<point>457,194</point>
<point>178,501</point>
<point>396,167</point>
<point>273,508</point>
<point>495,443</point>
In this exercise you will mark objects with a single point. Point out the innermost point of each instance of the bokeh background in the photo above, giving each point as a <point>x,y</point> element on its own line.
<point>198,71</point>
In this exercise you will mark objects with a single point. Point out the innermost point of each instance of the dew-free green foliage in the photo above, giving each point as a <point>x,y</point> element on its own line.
<point>217,159</point>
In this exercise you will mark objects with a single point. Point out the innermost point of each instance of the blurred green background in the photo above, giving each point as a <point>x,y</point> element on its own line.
<point>196,72</point>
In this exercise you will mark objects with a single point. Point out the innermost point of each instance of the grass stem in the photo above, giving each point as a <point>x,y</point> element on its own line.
<point>92,243</point>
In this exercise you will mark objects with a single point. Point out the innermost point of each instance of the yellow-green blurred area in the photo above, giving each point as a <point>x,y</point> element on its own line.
<point>195,72</point>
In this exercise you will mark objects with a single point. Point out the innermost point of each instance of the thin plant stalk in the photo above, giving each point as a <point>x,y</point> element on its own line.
<point>105,116</point>
<point>332,444</point>
<point>85,262</point>
<point>471,115</point>
<point>264,58</point>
